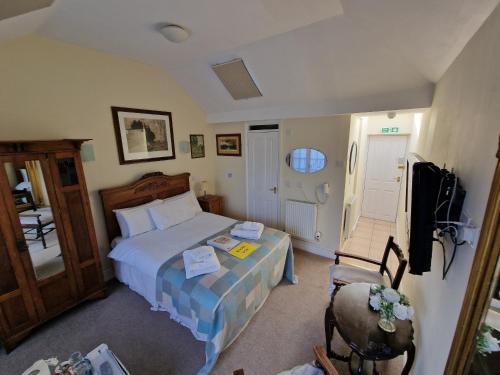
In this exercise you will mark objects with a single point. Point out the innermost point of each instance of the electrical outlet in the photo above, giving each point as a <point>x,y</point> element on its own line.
<point>469,234</point>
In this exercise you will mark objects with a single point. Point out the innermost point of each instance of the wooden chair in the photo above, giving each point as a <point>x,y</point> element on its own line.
<point>322,362</point>
<point>37,221</point>
<point>345,274</point>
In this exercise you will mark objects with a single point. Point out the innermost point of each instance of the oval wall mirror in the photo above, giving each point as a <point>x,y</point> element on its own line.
<point>306,160</point>
<point>353,157</point>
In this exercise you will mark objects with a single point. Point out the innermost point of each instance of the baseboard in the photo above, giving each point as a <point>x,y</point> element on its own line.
<point>313,248</point>
<point>354,226</point>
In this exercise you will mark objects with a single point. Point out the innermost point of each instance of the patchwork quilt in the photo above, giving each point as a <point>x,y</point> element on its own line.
<point>222,303</point>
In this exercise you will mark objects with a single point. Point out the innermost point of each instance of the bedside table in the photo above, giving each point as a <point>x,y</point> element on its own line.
<point>211,203</point>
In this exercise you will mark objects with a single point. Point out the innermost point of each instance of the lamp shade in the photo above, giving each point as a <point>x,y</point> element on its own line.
<point>204,186</point>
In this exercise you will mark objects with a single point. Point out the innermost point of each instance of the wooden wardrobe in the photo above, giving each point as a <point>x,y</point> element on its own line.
<point>49,259</point>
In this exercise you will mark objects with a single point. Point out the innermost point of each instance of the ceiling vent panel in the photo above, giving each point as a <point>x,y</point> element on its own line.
<point>236,79</point>
<point>13,8</point>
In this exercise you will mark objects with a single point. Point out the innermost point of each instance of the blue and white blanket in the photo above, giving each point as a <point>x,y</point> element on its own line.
<point>222,303</point>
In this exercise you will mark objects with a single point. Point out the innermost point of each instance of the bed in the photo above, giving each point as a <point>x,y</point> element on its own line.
<point>216,307</point>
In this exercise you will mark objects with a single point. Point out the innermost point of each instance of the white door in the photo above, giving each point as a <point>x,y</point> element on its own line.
<point>263,177</point>
<point>384,171</point>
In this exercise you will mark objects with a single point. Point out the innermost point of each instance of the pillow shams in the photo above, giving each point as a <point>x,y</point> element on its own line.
<point>135,220</point>
<point>173,211</point>
<point>190,198</point>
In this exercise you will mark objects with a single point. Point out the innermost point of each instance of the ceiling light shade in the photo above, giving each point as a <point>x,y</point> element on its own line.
<point>175,33</point>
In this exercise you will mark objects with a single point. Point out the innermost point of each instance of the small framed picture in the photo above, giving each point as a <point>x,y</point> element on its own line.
<point>143,135</point>
<point>197,142</point>
<point>228,144</point>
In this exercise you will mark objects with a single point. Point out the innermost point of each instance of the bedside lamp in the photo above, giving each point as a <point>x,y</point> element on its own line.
<point>204,187</point>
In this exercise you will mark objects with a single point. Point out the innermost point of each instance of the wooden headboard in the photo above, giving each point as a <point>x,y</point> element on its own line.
<point>151,186</point>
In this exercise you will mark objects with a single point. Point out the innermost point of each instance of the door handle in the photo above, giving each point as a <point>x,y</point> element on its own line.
<point>274,190</point>
<point>398,179</point>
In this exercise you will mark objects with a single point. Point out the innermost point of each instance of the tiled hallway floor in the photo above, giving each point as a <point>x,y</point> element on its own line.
<point>369,240</point>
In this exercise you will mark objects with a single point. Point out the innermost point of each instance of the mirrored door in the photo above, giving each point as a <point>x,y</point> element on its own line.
<point>34,211</point>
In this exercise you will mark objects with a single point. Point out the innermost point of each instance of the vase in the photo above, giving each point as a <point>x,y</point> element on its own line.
<point>387,325</point>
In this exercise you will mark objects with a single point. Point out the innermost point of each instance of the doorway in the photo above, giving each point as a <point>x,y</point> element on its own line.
<point>263,177</point>
<point>385,164</point>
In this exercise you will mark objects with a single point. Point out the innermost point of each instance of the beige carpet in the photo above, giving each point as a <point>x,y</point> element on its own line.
<point>279,337</point>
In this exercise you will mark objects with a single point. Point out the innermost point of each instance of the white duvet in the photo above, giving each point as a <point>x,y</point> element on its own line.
<point>148,251</point>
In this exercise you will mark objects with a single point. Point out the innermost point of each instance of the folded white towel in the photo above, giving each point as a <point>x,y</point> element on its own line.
<point>250,225</point>
<point>248,234</point>
<point>200,260</point>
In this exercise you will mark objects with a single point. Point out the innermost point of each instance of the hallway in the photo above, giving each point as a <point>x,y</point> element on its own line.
<point>368,240</point>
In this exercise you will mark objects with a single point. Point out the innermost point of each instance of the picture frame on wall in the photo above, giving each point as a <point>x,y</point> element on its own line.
<point>197,143</point>
<point>228,144</point>
<point>143,135</point>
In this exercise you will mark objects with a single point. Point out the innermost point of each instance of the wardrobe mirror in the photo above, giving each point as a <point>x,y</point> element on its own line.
<point>34,211</point>
<point>306,160</point>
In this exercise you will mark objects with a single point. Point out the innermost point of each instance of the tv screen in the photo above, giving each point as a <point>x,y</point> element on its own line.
<point>436,200</point>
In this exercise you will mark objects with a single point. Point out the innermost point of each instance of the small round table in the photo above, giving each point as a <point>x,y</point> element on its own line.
<point>357,324</point>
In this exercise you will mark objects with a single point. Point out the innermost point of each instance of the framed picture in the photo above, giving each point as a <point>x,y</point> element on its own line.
<point>143,135</point>
<point>197,142</point>
<point>228,144</point>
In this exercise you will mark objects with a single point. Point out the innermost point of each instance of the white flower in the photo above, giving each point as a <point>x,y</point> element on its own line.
<point>375,301</point>
<point>374,287</point>
<point>390,295</point>
<point>492,343</point>
<point>400,311</point>
<point>410,312</point>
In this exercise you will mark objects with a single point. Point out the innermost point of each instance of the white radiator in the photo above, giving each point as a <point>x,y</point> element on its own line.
<point>300,219</point>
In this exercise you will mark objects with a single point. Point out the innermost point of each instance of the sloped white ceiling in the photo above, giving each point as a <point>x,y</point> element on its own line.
<point>312,57</point>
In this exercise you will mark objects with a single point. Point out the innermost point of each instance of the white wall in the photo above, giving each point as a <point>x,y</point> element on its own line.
<point>54,90</point>
<point>328,134</point>
<point>462,131</point>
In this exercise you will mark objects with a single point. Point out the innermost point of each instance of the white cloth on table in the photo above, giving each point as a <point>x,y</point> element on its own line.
<point>200,260</point>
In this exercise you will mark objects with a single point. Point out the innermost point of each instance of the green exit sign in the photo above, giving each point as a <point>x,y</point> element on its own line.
<point>390,130</point>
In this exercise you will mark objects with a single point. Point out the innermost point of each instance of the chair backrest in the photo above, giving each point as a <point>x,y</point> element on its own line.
<point>392,246</point>
<point>23,200</point>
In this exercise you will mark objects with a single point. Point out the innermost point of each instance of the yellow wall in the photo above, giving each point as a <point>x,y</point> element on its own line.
<point>52,90</point>
<point>327,134</point>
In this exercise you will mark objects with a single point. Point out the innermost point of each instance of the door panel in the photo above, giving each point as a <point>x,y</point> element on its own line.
<point>73,200</point>
<point>263,177</point>
<point>383,176</point>
<point>35,218</point>
<point>17,309</point>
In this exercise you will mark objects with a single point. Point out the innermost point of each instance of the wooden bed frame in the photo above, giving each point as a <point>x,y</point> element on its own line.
<point>151,186</point>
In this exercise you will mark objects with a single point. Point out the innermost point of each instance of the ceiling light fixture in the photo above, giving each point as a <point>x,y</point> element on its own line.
<point>175,33</point>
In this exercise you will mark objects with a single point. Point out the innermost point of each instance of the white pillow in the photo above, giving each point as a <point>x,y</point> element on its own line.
<point>135,220</point>
<point>173,211</point>
<point>190,198</point>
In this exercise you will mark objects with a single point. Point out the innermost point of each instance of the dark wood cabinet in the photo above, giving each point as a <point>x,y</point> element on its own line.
<point>211,203</point>
<point>49,259</point>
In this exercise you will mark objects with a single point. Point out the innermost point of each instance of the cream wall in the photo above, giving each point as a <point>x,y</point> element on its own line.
<point>52,90</point>
<point>328,134</point>
<point>462,131</point>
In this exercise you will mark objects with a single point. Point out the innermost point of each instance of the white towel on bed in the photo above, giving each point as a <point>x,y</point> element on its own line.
<point>250,225</point>
<point>200,260</point>
<point>240,231</point>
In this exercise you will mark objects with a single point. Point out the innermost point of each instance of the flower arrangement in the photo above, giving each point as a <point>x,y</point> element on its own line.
<point>486,343</point>
<point>391,304</point>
